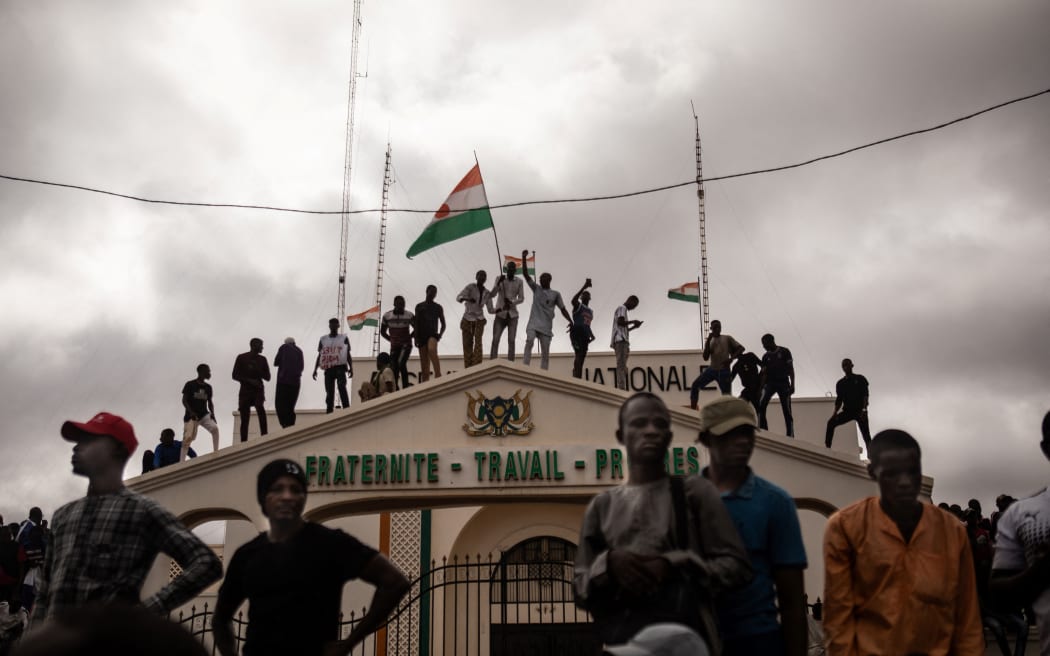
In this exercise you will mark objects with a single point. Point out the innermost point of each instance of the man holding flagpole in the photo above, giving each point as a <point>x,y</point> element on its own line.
<point>474,298</point>
<point>541,318</point>
<point>509,294</point>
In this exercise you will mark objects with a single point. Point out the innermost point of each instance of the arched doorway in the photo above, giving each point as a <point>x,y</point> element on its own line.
<point>532,608</point>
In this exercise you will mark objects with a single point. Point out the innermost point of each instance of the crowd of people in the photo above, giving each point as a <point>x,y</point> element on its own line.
<point>714,561</point>
<point>761,378</point>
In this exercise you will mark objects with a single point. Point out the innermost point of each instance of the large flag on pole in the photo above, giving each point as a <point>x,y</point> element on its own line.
<point>690,292</point>
<point>518,263</point>
<point>465,212</point>
<point>369,317</point>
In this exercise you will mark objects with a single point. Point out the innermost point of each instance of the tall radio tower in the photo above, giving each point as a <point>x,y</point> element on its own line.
<point>705,310</point>
<point>348,164</point>
<point>387,181</point>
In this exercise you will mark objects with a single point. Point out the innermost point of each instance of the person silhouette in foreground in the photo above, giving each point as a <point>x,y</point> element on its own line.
<point>103,545</point>
<point>899,576</point>
<point>768,616</point>
<point>1021,565</point>
<point>655,548</point>
<point>293,576</point>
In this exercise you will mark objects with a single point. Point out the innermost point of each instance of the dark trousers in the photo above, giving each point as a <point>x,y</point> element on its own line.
<point>284,402</point>
<point>333,376</point>
<point>247,400</point>
<point>766,644</point>
<point>844,417</point>
<point>724,377</point>
<point>399,363</point>
<point>783,391</point>
<point>580,343</point>
<point>752,395</point>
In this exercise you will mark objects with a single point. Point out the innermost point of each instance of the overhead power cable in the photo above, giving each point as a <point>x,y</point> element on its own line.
<point>524,203</point>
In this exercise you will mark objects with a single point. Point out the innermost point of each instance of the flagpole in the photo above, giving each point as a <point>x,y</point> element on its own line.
<point>495,237</point>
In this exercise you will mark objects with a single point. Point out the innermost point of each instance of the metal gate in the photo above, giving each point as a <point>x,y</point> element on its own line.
<point>515,604</point>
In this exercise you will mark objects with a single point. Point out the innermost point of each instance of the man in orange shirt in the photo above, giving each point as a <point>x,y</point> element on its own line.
<point>898,575</point>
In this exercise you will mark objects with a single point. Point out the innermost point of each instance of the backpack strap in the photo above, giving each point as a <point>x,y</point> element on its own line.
<point>681,513</point>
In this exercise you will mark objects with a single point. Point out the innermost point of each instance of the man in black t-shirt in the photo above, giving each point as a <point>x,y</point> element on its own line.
<point>778,377</point>
<point>429,327</point>
<point>200,411</point>
<point>851,396</point>
<point>293,577</point>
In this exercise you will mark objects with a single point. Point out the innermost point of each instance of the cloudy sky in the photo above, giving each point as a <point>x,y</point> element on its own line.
<point>924,260</point>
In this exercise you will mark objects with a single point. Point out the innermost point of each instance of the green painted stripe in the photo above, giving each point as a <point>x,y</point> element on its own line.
<point>456,466</point>
<point>581,464</point>
<point>446,230</point>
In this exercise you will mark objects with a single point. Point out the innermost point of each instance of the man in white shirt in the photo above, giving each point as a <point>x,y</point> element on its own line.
<point>1021,567</point>
<point>621,345</point>
<point>333,355</point>
<point>541,318</point>
<point>474,298</point>
<point>508,293</point>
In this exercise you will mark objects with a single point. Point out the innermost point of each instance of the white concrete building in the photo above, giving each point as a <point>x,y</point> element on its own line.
<point>432,473</point>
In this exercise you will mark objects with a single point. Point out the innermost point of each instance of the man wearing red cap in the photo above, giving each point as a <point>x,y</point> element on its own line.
<point>103,545</point>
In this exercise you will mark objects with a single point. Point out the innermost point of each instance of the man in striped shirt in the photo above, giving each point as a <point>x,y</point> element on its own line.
<point>103,545</point>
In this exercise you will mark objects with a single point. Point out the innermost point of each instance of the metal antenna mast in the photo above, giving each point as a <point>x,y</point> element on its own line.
<point>347,164</point>
<point>705,311</point>
<point>387,181</point>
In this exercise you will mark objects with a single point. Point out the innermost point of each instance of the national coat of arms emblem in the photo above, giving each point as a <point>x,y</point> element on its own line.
<point>498,416</point>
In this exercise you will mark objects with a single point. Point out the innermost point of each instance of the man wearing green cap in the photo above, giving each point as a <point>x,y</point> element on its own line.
<point>293,577</point>
<point>103,545</point>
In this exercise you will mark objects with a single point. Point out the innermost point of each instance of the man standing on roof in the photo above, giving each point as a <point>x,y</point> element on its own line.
<point>289,363</point>
<point>851,396</point>
<point>720,351</point>
<point>541,318</point>
<point>621,343</point>
<point>200,410</point>
<point>429,329</point>
<point>396,328</point>
<point>580,333</point>
<point>250,370</point>
<point>509,293</point>
<point>474,298</point>
<point>778,377</point>
<point>333,355</point>
<point>103,545</point>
